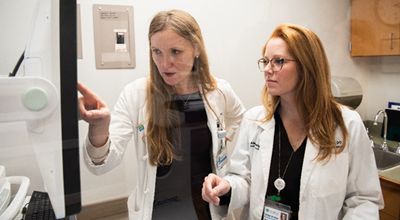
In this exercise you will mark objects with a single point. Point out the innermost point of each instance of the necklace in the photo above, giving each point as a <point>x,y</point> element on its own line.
<point>279,182</point>
<point>185,102</point>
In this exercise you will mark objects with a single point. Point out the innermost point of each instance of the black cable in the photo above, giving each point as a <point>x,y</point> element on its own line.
<point>23,212</point>
<point>14,72</point>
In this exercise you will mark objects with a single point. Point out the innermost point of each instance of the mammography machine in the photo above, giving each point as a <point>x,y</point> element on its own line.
<point>45,97</point>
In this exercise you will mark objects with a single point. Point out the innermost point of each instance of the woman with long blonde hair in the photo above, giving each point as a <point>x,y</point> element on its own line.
<point>179,118</point>
<point>300,153</point>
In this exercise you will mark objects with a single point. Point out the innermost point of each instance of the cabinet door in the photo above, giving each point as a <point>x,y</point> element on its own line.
<point>384,216</point>
<point>391,196</point>
<point>375,27</point>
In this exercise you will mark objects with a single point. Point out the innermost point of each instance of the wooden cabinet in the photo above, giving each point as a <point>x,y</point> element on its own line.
<point>391,195</point>
<point>375,27</point>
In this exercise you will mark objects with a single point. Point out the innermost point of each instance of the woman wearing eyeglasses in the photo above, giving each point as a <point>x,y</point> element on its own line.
<point>301,152</point>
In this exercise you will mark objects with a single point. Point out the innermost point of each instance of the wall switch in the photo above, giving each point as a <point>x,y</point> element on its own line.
<point>114,36</point>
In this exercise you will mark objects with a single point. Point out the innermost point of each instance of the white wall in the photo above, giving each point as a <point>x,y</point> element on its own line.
<point>234,33</point>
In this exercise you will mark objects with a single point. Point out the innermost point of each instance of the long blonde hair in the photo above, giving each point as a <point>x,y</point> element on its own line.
<point>161,116</point>
<point>320,112</point>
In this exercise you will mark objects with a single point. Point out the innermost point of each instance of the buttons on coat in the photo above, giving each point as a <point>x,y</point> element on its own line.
<point>145,157</point>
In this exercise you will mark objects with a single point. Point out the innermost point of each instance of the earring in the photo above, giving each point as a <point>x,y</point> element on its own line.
<point>195,67</point>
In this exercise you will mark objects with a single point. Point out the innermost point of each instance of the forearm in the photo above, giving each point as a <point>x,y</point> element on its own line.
<point>98,134</point>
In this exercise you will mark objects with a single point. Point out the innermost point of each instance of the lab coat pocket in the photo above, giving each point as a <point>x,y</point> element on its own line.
<point>133,206</point>
<point>330,178</point>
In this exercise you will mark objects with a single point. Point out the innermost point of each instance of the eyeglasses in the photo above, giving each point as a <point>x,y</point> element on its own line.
<point>276,63</point>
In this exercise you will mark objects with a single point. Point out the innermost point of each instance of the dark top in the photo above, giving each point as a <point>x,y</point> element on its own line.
<point>195,137</point>
<point>291,193</point>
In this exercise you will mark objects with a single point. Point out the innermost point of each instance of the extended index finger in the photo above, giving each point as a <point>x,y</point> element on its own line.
<point>84,90</point>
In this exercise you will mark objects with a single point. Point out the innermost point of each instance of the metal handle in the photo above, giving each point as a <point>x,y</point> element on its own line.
<point>391,41</point>
<point>398,149</point>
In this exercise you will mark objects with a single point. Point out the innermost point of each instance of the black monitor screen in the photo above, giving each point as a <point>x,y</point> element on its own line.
<point>69,114</point>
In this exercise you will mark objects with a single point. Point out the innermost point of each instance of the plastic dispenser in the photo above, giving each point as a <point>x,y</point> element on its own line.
<point>347,91</point>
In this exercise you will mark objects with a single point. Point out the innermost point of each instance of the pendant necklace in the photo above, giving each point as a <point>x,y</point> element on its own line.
<point>185,102</point>
<point>279,182</point>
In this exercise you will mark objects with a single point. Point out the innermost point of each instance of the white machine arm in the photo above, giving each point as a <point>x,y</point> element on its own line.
<point>36,100</point>
<point>26,98</point>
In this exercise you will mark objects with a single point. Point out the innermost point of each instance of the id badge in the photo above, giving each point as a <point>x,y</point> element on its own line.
<point>276,211</point>
<point>222,158</point>
<point>222,152</point>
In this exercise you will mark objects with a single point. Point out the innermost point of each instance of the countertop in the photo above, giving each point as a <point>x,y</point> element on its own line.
<point>393,174</point>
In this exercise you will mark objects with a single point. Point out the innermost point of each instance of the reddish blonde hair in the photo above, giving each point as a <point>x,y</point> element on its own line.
<point>320,112</point>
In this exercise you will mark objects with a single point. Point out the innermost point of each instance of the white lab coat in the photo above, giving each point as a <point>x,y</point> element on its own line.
<point>347,187</point>
<point>130,112</point>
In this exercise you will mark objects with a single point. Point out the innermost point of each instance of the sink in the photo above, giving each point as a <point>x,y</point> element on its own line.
<point>385,159</point>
